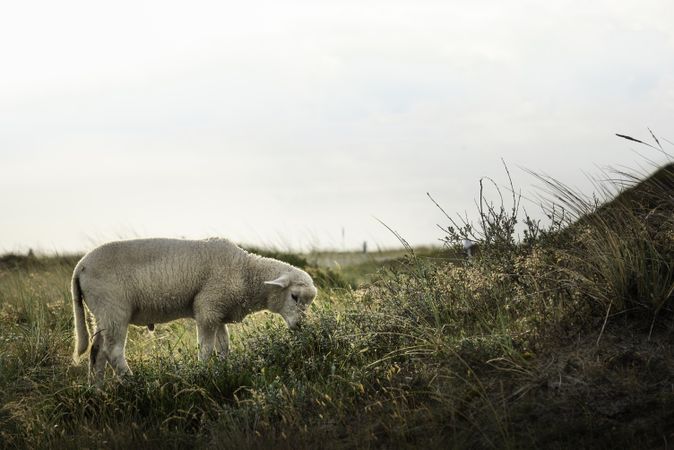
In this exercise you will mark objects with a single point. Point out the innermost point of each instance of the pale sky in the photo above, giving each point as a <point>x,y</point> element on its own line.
<point>282,123</point>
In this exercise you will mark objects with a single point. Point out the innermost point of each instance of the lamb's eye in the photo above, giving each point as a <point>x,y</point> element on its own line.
<point>295,297</point>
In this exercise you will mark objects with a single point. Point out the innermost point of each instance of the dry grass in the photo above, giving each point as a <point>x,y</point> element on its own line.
<point>500,351</point>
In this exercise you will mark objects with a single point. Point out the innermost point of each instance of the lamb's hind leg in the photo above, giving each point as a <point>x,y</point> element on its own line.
<point>108,347</point>
<point>97,359</point>
<point>116,341</point>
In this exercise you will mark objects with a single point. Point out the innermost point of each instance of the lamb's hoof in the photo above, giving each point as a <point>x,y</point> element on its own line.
<point>150,326</point>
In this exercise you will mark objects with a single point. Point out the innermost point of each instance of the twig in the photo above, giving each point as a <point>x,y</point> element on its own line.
<point>402,240</point>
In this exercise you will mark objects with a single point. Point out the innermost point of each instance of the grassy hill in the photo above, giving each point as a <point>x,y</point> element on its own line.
<point>560,339</point>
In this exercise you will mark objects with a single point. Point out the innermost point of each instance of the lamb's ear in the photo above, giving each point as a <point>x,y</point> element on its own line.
<point>283,281</point>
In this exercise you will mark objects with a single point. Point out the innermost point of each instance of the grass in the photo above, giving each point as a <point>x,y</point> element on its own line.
<point>559,339</point>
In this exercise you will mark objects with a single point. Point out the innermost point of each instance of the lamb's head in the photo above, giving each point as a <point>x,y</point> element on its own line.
<point>290,295</point>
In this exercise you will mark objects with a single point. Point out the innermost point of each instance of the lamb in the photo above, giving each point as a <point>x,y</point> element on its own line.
<point>148,281</point>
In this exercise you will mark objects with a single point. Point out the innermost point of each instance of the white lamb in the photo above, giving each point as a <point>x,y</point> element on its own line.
<point>148,281</point>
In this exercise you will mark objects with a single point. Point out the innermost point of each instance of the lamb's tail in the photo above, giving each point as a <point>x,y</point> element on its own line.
<point>81,331</point>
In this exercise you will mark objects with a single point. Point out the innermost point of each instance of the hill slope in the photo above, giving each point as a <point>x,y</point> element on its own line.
<point>561,340</point>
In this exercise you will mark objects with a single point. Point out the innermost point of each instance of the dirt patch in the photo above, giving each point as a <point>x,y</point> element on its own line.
<point>618,392</point>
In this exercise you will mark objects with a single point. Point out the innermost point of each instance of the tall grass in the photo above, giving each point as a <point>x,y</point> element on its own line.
<point>620,254</point>
<point>477,353</point>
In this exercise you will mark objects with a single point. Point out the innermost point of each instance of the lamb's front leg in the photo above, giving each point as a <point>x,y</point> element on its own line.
<point>222,341</point>
<point>206,339</point>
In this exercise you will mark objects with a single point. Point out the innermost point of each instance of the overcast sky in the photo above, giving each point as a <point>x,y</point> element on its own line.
<point>285,123</point>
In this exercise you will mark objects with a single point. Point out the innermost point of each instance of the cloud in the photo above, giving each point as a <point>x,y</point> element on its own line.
<point>265,118</point>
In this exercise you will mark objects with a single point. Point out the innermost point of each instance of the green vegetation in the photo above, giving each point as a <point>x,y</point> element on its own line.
<point>559,339</point>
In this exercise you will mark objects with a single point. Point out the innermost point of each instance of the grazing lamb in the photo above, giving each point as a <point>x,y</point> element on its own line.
<point>148,281</point>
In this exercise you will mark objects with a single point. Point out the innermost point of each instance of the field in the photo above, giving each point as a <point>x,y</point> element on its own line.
<point>557,337</point>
